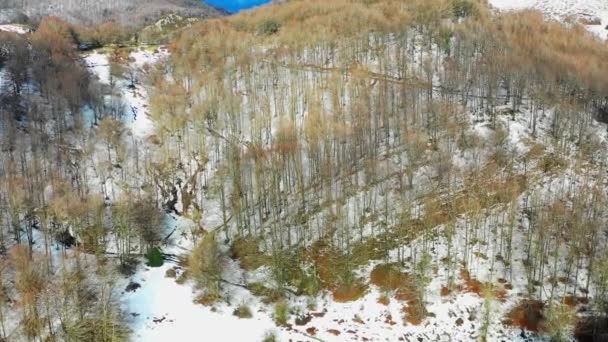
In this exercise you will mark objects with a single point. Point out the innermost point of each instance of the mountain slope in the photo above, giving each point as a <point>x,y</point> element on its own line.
<point>129,12</point>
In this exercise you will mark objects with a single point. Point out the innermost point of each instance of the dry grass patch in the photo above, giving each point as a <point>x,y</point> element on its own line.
<point>247,252</point>
<point>527,315</point>
<point>349,293</point>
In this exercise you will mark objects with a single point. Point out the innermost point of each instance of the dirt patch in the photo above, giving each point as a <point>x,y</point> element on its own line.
<point>303,319</point>
<point>312,331</point>
<point>334,332</point>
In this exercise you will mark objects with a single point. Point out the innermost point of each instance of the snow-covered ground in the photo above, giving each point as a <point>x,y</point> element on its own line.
<point>135,98</point>
<point>583,10</point>
<point>14,28</point>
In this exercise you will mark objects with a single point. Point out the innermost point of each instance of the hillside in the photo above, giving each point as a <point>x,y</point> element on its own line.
<point>126,12</point>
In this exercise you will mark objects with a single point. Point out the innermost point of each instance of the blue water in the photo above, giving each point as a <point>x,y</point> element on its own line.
<point>234,6</point>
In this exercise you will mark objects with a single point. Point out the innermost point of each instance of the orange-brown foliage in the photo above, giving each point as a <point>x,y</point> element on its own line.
<point>349,293</point>
<point>527,315</point>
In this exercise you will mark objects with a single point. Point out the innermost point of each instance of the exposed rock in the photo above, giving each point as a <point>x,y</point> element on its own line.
<point>586,19</point>
<point>132,287</point>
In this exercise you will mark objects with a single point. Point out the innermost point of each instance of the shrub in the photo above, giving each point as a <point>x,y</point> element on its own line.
<point>242,311</point>
<point>281,312</point>
<point>204,265</point>
<point>550,162</point>
<point>268,295</point>
<point>270,336</point>
<point>248,253</point>
<point>269,27</point>
<point>464,8</point>
<point>170,273</point>
<point>182,278</point>
<point>127,266</point>
<point>389,278</point>
<point>154,257</point>
<point>560,321</point>
<point>349,292</point>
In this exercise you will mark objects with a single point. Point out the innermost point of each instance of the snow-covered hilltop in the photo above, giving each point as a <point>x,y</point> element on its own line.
<point>593,14</point>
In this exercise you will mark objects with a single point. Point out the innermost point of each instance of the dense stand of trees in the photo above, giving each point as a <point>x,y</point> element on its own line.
<point>317,136</point>
<point>70,213</point>
<point>326,134</point>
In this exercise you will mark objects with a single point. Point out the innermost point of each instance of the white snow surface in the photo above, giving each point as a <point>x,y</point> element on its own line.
<point>135,98</point>
<point>14,28</point>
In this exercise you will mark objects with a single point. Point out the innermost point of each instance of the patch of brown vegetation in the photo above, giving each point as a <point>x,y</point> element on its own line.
<point>170,273</point>
<point>312,331</point>
<point>268,295</point>
<point>326,260</point>
<point>349,293</point>
<point>527,315</point>
<point>206,300</point>
<point>370,249</point>
<point>500,294</point>
<point>413,313</point>
<point>471,284</point>
<point>445,291</point>
<point>334,332</point>
<point>389,278</point>
<point>573,301</point>
<point>384,300</point>
<point>247,252</point>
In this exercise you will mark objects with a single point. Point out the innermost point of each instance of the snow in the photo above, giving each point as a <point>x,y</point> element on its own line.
<point>163,310</point>
<point>14,28</point>
<point>135,98</point>
<point>512,4</point>
<point>161,298</point>
<point>99,66</point>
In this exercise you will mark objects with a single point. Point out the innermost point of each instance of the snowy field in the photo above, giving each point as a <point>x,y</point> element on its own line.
<point>14,28</point>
